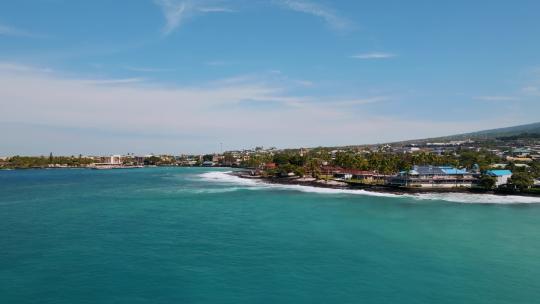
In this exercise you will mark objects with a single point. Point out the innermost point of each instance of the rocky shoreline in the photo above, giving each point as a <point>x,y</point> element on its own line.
<point>312,182</point>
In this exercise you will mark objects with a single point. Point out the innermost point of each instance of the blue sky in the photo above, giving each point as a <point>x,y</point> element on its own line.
<point>171,76</point>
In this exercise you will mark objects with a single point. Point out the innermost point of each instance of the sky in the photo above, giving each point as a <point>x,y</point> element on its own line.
<point>176,77</point>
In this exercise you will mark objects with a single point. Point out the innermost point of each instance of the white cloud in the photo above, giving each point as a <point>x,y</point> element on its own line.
<point>216,10</point>
<point>21,68</point>
<point>496,98</point>
<point>120,115</point>
<point>146,69</point>
<point>374,56</point>
<point>531,90</point>
<point>217,63</point>
<point>113,81</point>
<point>309,7</point>
<point>357,102</point>
<point>176,12</point>
<point>16,32</point>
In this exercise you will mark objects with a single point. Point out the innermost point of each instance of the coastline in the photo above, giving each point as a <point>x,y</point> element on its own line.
<point>311,182</point>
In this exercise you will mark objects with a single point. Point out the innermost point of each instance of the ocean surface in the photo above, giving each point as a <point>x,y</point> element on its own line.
<point>199,235</point>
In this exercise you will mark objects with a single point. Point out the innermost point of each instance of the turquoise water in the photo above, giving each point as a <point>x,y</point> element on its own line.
<point>183,235</point>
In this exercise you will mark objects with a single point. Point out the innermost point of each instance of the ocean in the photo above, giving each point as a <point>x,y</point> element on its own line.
<point>199,235</point>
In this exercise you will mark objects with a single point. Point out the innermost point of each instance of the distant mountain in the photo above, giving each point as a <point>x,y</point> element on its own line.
<point>533,128</point>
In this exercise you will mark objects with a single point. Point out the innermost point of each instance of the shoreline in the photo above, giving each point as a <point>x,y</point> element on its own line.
<point>310,182</point>
<point>107,168</point>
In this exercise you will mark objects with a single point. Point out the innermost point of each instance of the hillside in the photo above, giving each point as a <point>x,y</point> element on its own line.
<point>533,128</point>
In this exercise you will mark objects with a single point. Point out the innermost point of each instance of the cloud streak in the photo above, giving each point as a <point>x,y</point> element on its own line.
<point>496,98</point>
<point>329,16</point>
<point>375,55</point>
<point>177,12</point>
<point>147,69</point>
<point>16,32</point>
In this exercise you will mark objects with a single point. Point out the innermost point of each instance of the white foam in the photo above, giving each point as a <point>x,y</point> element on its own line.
<point>216,190</point>
<point>226,177</point>
<point>471,198</point>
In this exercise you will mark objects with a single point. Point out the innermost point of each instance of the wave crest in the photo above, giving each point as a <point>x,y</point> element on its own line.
<point>227,178</point>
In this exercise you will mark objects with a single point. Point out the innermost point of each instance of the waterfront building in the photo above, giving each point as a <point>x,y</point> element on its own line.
<point>112,160</point>
<point>208,163</point>
<point>434,177</point>
<point>501,176</point>
<point>270,166</point>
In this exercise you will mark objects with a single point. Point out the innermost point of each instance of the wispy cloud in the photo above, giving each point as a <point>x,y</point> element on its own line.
<point>216,10</point>
<point>318,10</point>
<point>176,12</point>
<point>358,102</point>
<point>16,32</point>
<point>375,55</point>
<point>113,81</point>
<point>496,98</point>
<point>147,69</point>
<point>217,63</point>
<point>531,90</point>
<point>21,68</point>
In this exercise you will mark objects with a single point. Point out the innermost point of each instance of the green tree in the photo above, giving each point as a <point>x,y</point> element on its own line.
<point>299,171</point>
<point>152,160</point>
<point>281,158</point>
<point>521,181</point>
<point>487,182</point>
<point>314,167</point>
<point>208,157</point>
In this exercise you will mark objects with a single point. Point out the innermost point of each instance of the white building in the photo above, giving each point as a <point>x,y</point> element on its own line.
<point>501,176</point>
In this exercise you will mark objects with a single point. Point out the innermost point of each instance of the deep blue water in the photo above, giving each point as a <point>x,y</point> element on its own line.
<point>177,235</point>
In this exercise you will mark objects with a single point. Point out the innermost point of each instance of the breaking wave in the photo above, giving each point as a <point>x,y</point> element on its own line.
<point>471,198</point>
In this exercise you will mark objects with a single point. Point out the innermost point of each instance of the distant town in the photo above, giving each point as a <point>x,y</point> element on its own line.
<point>506,164</point>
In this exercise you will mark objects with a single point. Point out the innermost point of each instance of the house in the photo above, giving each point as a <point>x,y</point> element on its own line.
<point>208,163</point>
<point>112,160</point>
<point>521,152</point>
<point>434,177</point>
<point>270,166</point>
<point>369,177</point>
<point>501,176</point>
<point>342,175</point>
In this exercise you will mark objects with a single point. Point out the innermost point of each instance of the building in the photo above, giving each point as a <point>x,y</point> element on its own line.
<point>369,177</point>
<point>270,166</point>
<point>112,160</point>
<point>518,159</point>
<point>434,177</point>
<point>208,163</point>
<point>501,176</point>
<point>521,152</point>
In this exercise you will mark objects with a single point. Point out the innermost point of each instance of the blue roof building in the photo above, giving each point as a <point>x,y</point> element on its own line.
<point>434,177</point>
<point>496,173</point>
<point>501,176</point>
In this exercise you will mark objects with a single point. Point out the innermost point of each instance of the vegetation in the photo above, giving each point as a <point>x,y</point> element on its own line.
<point>25,162</point>
<point>487,182</point>
<point>520,181</point>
